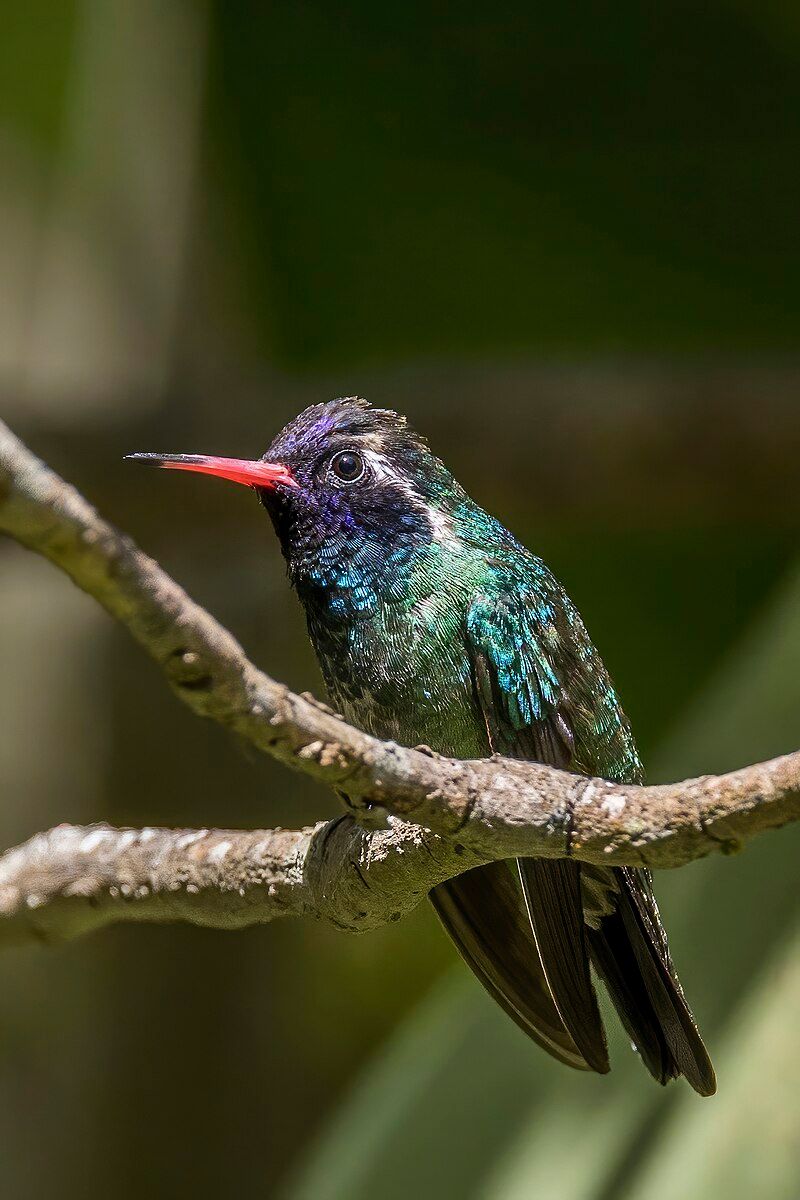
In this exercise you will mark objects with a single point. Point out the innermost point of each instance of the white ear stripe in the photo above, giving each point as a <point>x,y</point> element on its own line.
<point>440,522</point>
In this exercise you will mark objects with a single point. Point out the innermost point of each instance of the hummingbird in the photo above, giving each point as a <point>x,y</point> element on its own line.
<point>433,625</point>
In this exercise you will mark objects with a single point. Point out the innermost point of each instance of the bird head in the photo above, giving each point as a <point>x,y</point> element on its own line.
<point>344,483</point>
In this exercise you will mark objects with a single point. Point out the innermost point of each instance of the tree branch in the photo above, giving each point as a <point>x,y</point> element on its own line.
<point>78,878</point>
<point>482,810</point>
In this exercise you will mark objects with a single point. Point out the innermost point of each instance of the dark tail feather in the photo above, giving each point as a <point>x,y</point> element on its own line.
<point>630,954</point>
<point>552,890</point>
<point>616,964</point>
<point>485,915</point>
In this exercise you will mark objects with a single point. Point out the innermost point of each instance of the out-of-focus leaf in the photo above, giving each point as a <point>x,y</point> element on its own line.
<point>452,1040</point>
<point>747,1143</point>
<point>459,1105</point>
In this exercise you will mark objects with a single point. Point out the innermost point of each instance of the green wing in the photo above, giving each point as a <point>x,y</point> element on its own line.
<point>518,681</point>
<point>545,695</point>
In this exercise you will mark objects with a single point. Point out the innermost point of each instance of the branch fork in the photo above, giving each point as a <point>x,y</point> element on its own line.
<point>444,815</point>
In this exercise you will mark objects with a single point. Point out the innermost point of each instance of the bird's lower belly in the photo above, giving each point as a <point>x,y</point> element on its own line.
<point>444,721</point>
<point>385,680</point>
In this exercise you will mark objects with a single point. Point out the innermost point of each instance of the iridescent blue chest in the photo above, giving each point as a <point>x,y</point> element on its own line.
<point>402,631</point>
<point>392,646</point>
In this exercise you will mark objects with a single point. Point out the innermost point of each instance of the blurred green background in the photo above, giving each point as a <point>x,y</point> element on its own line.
<point>563,239</point>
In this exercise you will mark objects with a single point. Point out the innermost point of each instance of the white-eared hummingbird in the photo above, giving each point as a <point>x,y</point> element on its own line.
<point>432,624</point>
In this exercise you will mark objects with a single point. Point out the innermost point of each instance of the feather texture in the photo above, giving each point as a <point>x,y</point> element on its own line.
<point>626,940</point>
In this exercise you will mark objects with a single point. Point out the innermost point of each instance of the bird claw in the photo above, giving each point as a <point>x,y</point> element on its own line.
<point>310,698</point>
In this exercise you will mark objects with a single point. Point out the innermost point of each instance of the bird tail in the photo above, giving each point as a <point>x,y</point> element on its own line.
<point>629,951</point>
<point>484,913</point>
<point>531,949</point>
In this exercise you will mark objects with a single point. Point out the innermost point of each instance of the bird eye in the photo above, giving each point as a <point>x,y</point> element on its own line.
<point>348,466</point>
